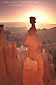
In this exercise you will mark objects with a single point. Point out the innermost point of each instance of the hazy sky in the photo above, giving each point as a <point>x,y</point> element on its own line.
<point>21,10</point>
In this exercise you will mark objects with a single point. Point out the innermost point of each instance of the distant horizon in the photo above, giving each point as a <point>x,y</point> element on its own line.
<point>27,25</point>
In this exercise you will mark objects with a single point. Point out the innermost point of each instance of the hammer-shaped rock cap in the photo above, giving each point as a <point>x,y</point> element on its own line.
<point>32,20</point>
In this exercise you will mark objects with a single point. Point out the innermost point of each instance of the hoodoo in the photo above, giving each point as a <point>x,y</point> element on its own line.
<point>36,63</point>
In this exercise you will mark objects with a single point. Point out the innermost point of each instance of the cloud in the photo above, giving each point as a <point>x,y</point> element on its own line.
<point>9,2</point>
<point>19,2</point>
<point>27,2</point>
<point>12,3</point>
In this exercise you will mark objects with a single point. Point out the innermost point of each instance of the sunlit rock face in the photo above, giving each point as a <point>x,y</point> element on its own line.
<point>9,65</point>
<point>12,62</point>
<point>2,59</point>
<point>36,63</point>
<point>33,43</point>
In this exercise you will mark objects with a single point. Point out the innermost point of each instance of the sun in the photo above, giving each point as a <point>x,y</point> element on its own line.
<point>41,17</point>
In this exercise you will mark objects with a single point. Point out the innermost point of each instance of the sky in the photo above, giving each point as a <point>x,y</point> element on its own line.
<point>21,10</point>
